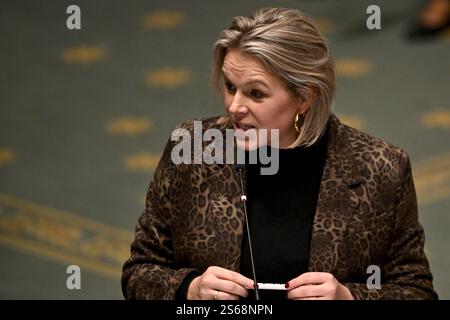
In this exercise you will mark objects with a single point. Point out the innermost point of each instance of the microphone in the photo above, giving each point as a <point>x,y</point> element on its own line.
<point>239,168</point>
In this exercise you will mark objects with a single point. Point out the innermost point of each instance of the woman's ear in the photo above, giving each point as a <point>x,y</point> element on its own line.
<point>303,105</point>
<point>307,99</point>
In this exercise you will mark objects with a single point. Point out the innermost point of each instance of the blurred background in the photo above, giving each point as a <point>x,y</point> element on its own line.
<point>85,114</point>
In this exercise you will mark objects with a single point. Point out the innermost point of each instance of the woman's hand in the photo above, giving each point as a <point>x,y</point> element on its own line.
<point>217,283</point>
<point>317,286</point>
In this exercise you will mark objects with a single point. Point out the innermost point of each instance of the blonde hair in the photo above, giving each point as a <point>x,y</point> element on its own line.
<point>288,43</point>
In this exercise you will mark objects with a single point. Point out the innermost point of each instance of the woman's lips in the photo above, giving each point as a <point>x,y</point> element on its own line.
<point>244,126</point>
<point>244,131</point>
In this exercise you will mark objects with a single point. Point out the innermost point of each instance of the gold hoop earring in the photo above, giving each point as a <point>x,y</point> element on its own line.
<point>296,122</point>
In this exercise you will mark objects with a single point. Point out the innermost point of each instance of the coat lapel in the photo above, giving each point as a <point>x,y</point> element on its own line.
<point>337,201</point>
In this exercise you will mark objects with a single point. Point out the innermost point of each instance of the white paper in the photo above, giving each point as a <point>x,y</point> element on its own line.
<point>271,286</point>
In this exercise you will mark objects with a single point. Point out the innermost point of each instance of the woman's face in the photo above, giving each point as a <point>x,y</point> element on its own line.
<point>255,99</point>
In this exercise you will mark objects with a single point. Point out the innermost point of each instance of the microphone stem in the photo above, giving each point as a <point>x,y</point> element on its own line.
<point>244,199</point>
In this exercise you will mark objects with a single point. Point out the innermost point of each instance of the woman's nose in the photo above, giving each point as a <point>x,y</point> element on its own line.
<point>238,105</point>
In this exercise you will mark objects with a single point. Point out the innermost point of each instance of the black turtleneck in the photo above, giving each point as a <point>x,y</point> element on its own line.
<point>281,209</point>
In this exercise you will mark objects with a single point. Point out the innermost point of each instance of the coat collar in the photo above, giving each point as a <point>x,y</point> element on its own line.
<point>340,155</point>
<point>338,198</point>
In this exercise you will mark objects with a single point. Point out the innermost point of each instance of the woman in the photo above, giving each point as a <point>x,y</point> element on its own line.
<point>340,203</point>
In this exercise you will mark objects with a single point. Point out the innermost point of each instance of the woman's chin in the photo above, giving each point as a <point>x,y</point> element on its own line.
<point>247,145</point>
<point>251,139</point>
<point>250,144</point>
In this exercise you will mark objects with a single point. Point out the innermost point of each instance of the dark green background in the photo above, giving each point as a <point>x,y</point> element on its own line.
<point>54,114</point>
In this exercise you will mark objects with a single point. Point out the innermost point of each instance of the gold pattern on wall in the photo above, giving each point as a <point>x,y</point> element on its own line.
<point>84,54</point>
<point>432,178</point>
<point>129,126</point>
<point>438,118</point>
<point>7,156</point>
<point>353,68</point>
<point>353,121</point>
<point>163,20</point>
<point>144,162</point>
<point>324,24</point>
<point>169,78</point>
<point>427,253</point>
<point>63,237</point>
<point>445,34</point>
<point>142,198</point>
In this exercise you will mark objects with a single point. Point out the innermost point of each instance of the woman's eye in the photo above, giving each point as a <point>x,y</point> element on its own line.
<point>230,88</point>
<point>257,94</point>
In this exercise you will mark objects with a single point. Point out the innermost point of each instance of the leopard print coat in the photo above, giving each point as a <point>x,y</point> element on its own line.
<point>366,215</point>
